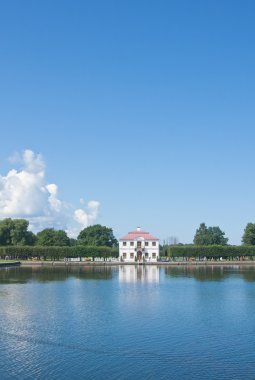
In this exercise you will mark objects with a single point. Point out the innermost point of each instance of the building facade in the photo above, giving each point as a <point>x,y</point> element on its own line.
<point>138,246</point>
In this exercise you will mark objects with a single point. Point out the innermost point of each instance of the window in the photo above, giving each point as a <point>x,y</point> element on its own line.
<point>146,254</point>
<point>139,244</point>
<point>131,255</point>
<point>154,255</point>
<point>124,255</point>
<point>124,243</point>
<point>131,243</point>
<point>154,244</point>
<point>146,244</point>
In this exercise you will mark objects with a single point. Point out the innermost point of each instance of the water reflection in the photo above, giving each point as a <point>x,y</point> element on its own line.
<point>125,273</point>
<point>176,328</point>
<point>211,272</point>
<point>139,273</point>
<point>23,275</point>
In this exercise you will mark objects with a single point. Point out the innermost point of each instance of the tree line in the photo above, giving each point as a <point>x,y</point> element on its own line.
<point>14,232</point>
<point>211,243</point>
<point>17,242</point>
<point>215,236</point>
<point>99,241</point>
<point>57,253</point>
<point>201,252</point>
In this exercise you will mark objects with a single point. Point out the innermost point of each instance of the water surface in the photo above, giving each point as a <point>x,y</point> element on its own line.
<point>127,322</point>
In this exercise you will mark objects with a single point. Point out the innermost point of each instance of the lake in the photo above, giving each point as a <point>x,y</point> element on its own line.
<point>127,322</point>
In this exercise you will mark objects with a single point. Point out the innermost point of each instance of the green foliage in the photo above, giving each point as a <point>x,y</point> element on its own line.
<point>56,253</point>
<point>15,232</point>
<point>209,251</point>
<point>249,234</point>
<point>50,238</point>
<point>6,227</point>
<point>209,236</point>
<point>73,242</point>
<point>97,235</point>
<point>95,241</point>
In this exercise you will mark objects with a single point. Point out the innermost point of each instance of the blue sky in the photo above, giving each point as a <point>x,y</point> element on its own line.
<point>144,106</point>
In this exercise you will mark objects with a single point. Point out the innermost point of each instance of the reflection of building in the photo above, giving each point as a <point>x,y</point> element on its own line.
<point>139,273</point>
<point>139,246</point>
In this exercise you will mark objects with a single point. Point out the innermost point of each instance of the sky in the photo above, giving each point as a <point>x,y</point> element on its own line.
<point>128,113</point>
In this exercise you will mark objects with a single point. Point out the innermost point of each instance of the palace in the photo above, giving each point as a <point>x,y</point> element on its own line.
<point>138,246</point>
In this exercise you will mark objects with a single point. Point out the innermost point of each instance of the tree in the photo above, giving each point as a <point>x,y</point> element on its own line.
<point>249,234</point>
<point>50,237</point>
<point>15,232</point>
<point>201,237</point>
<point>171,240</point>
<point>73,242</point>
<point>97,235</point>
<point>209,236</point>
<point>20,234</point>
<point>30,238</point>
<point>6,226</point>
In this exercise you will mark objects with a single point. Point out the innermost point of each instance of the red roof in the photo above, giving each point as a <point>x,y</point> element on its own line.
<point>133,235</point>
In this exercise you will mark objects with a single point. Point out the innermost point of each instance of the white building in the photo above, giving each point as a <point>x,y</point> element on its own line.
<point>138,246</point>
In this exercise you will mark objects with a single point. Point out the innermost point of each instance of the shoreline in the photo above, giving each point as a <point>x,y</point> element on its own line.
<point>9,264</point>
<point>249,263</point>
<point>117,263</point>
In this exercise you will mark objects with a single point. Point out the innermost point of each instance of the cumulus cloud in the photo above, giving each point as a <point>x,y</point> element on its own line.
<point>29,160</point>
<point>88,216</point>
<point>54,202</point>
<point>25,193</point>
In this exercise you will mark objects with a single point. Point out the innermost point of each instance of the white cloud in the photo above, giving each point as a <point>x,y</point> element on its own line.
<point>25,193</point>
<point>54,202</point>
<point>30,161</point>
<point>88,216</point>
